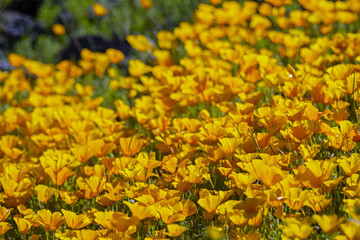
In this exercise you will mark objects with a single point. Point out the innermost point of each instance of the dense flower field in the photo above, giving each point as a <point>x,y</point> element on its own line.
<point>243,124</point>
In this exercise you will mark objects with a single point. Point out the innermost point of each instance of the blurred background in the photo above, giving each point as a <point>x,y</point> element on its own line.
<point>52,30</point>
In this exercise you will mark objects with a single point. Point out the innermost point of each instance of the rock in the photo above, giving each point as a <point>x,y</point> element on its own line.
<point>5,65</point>
<point>28,7</point>
<point>15,24</point>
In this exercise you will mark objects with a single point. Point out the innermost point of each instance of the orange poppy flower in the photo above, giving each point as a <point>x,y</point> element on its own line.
<point>16,60</point>
<point>139,42</point>
<point>350,165</point>
<point>328,224</point>
<point>92,186</point>
<point>23,224</point>
<point>142,211</point>
<point>108,198</point>
<point>69,197</point>
<point>4,213</point>
<point>87,234</point>
<point>242,180</point>
<point>351,230</point>
<point>4,227</point>
<point>50,221</point>
<point>44,193</point>
<point>317,202</point>
<point>8,144</point>
<point>269,175</point>
<point>210,203</point>
<point>137,68</point>
<point>295,198</point>
<point>83,152</point>
<point>229,145</point>
<point>250,209</point>
<point>58,178</point>
<point>212,132</point>
<point>115,56</point>
<point>146,4</point>
<point>16,193</point>
<point>189,207</point>
<point>75,221</point>
<point>297,229</point>
<point>148,161</point>
<point>130,146</point>
<point>169,216</point>
<point>316,172</point>
<point>99,9</point>
<point>347,129</point>
<point>175,230</point>
<point>115,220</point>
<point>25,211</point>
<point>58,29</point>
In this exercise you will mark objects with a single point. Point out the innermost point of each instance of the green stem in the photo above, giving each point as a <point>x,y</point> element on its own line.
<point>253,137</point>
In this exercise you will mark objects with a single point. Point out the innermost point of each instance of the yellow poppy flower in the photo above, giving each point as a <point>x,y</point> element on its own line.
<point>50,221</point>
<point>99,9</point>
<point>75,221</point>
<point>23,224</point>
<point>146,4</point>
<point>58,29</point>
<point>328,224</point>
